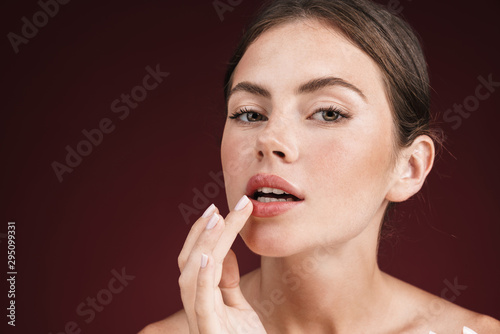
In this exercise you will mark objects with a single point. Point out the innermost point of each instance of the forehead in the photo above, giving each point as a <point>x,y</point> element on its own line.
<point>297,51</point>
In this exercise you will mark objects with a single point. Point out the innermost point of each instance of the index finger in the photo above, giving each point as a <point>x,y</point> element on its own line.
<point>234,221</point>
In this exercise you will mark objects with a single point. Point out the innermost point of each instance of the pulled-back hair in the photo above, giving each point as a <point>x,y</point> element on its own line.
<point>385,37</point>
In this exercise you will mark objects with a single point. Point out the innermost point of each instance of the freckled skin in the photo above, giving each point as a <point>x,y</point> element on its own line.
<point>347,173</point>
<point>343,168</point>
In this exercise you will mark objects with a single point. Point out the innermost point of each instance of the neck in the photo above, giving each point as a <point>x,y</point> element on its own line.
<point>325,289</point>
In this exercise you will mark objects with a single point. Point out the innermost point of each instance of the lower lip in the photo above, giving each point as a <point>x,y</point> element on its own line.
<point>271,209</point>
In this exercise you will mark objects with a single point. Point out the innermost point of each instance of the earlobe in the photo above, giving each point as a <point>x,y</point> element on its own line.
<point>414,164</point>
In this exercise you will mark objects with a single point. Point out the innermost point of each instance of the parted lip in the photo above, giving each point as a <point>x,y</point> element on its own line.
<point>271,181</point>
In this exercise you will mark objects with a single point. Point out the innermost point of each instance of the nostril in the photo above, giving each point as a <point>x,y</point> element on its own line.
<point>279,153</point>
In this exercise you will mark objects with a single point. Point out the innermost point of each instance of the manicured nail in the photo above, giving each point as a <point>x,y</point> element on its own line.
<point>204,260</point>
<point>208,212</point>
<point>467,330</point>
<point>241,203</point>
<point>213,221</point>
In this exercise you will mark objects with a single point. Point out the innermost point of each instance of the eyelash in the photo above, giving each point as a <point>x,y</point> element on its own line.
<point>339,114</point>
<point>237,114</point>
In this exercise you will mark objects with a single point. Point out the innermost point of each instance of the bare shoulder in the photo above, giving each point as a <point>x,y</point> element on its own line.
<point>481,323</point>
<point>176,323</point>
<point>432,313</point>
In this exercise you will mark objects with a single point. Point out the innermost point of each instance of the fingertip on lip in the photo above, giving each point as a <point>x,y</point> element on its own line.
<point>243,202</point>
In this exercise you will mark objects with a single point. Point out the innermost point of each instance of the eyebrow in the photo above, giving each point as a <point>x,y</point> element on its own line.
<point>309,87</point>
<point>246,86</point>
<point>319,83</point>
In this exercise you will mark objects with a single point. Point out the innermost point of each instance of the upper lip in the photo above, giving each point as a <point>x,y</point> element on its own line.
<point>271,181</point>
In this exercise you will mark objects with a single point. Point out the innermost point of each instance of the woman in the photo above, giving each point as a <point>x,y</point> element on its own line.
<point>327,125</point>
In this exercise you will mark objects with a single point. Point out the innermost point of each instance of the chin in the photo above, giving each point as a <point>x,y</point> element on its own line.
<point>268,238</point>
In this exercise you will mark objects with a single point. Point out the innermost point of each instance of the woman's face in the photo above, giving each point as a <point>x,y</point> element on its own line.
<point>315,113</point>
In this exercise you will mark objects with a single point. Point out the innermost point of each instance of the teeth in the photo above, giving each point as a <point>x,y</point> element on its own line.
<point>271,199</point>
<point>267,190</point>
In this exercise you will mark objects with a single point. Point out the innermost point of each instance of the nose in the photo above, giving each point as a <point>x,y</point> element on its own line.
<point>277,141</point>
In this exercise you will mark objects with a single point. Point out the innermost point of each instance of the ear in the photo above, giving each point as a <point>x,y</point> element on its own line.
<point>413,165</point>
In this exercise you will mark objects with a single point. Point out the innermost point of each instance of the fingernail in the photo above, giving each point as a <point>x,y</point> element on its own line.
<point>431,332</point>
<point>213,221</point>
<point>241,203</point>
<point>467,330</point>
<point>208,211</point>
<point>204,260</point>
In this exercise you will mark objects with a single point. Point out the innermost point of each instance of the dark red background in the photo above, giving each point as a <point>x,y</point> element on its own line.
<point>119,208</point>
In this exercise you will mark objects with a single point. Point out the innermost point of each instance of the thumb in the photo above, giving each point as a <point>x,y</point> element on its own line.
<point>230,282</point>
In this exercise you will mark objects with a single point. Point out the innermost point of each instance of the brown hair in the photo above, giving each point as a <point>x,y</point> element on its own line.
<point>385,37</point>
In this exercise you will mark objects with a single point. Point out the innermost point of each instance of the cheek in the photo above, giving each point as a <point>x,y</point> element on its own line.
<point>236,154</point>
<point>351,175</point>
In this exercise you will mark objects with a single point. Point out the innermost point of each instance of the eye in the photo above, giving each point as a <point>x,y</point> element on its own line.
<point>248,116</point>
<point>331,114</point>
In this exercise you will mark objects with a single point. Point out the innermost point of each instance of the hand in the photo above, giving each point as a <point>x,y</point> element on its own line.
<point>210,278</point>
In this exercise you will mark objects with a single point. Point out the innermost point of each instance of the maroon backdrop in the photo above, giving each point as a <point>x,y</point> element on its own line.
<point>118,208</point>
